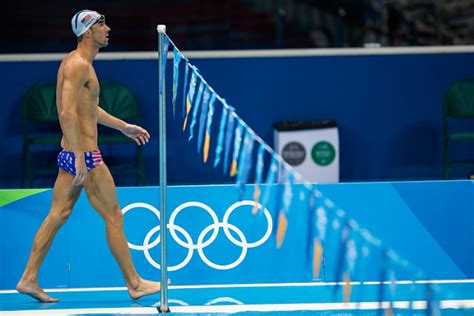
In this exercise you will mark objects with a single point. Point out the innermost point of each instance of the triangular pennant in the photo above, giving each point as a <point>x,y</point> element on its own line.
<point>239,130</point>
<point>317,257</point>
<point>190,96</point>
<point>258,177</point>
<point>207,138</point>
<point>196,106</point>
<point>176,60</point>
<point>221,135</point>
<point>203,117</point>
<point>228,140</point>
<point>281,230</point>
<point>347,287</point>
<point>245,163</point>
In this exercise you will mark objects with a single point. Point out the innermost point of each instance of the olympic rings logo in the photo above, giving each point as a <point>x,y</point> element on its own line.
<point>201,243</point>
<point>216,301</point>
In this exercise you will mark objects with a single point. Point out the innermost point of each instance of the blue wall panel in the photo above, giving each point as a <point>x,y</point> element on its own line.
<point>443,245</point>
<point>388,108</point>
<point>412,223</point>
<point>20,221</point>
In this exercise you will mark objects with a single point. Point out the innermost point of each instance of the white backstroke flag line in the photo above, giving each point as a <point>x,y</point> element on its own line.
<point>232,134</point>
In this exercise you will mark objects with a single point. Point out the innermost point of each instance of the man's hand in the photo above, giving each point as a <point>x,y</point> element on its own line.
<point>137,133</point>
<point>81,169</point>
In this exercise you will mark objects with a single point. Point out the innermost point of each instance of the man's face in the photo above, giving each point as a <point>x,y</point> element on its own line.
<point>100,33</point>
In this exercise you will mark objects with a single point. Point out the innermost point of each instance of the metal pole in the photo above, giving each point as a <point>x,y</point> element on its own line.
<point>163,308</point>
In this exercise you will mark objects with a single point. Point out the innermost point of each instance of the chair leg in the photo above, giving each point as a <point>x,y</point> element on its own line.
<point>23,166</point>
<point>140,172</point>
<point>29,175</point>
<point>445,160</point>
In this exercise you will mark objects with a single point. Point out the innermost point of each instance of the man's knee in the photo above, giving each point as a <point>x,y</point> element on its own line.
<point>59,217</point>
<point>115,217</point>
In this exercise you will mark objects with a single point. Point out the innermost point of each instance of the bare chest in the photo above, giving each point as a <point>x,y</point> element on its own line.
<point>92,87</point>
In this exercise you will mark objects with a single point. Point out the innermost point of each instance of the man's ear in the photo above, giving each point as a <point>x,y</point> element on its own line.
<point>88,33</point>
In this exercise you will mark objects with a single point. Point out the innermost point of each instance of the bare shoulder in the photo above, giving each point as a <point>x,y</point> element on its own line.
<point>74,65</point>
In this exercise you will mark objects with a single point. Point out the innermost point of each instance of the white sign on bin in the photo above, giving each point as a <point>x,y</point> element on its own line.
<point>312,148</point>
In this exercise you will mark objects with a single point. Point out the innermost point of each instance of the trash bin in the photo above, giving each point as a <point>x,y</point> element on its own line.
<point>311,147</point>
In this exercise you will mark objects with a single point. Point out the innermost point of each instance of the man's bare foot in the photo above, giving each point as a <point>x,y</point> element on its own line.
<point>32,289</point>
<point>144,287</point>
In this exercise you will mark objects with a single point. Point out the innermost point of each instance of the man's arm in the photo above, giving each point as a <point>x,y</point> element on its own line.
<point>74,77</point>
<point>108,120</point>
<point>137,133</point>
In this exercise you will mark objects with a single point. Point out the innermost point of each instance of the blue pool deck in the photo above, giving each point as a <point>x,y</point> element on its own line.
<point>455,297</point>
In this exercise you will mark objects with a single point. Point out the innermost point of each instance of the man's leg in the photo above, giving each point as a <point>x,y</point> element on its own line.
<point>65,195</point>
<point>100,189</point>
